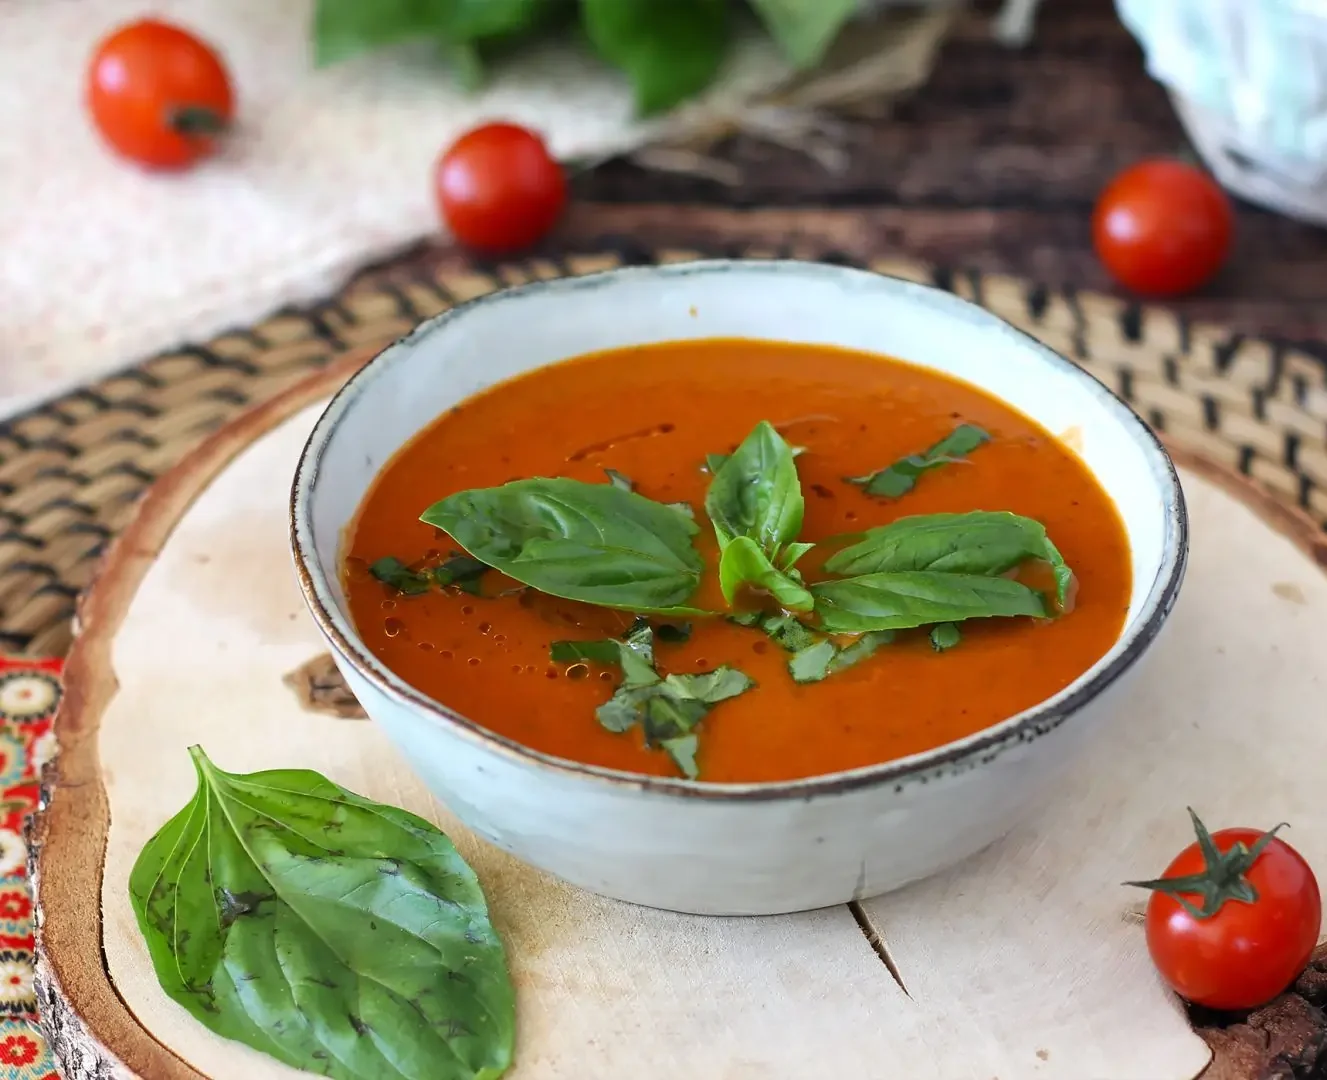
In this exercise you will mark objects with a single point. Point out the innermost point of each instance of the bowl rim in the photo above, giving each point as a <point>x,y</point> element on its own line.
<point>959,755</point>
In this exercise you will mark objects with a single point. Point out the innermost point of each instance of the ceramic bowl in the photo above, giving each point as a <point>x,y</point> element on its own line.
<point>732,848</point>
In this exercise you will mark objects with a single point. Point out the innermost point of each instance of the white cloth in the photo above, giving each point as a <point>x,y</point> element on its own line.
<point>102,264</point>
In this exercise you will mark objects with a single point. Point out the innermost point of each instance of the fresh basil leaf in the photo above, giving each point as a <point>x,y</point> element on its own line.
<point>335,934</point>
<point>673,633</point>
<point>901,477</point>
<point>619,480</point>
<point>714,462</point>
<point>683,508</point>
<point>979,542</point>
<point>863,647</point>
<point>756,493</point>
<point>710,687</point>
<point>682,749</point>
<point>669,51</point>
<point>463,572</point>
<point>743,563</point>
<point>342,28</point>
<point>805,29</point>
<point>634,655</point>
<point>668,717</point>
<point>393,572</point>
<point>476,20</point>
<point>899,601</point>
<point>789,556</point>
<point>745,618</point>
<point>625,708</point>
<point>590,542</point>
<point>787,632</point>
<point>811,663</point>
<point>945,636</point>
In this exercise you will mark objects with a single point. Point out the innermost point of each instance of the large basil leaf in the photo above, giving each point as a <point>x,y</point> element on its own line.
<point>743,563</point>
<point>590,542</point>
<point>756,493</point>
<point>668,49</point>
<point>900,601</point>
<point>336,934</point>
<point>980,542</point>
<point>901,477</point>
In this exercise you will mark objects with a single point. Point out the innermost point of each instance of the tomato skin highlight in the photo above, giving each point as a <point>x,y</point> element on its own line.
<point>1245,954</point>
<point>139,80</point>
<point>1163,228</point>
<point>498,188</point>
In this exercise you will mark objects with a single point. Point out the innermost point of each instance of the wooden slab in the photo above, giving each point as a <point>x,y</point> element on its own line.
<point>1026,961</point>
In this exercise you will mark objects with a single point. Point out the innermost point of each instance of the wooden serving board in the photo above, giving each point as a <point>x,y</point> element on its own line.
<point>1027,961</point>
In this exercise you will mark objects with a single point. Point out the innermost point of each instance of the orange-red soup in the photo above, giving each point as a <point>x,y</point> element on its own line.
<point>653,413</point>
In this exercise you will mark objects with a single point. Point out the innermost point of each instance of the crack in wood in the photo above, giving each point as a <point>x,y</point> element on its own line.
<point>877,943</point>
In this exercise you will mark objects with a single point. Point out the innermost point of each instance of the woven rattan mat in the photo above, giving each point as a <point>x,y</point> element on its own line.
<point>72,469</point>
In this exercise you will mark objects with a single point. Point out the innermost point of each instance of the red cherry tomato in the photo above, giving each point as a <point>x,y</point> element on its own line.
<point>1162,228</point>
<point>1231,927</point>
<point>159,95</point>
<point>498,188</point>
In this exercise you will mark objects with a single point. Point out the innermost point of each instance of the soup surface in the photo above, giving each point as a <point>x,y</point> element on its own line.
<point>652,414</point>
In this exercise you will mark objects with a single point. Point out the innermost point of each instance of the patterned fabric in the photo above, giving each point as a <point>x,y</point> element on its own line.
<point>29,693</point>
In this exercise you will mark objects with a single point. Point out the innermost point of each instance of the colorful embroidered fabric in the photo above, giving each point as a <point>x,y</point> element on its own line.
<point>29,693</point>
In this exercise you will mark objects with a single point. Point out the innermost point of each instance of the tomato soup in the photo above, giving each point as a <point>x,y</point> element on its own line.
<point>649,417</point>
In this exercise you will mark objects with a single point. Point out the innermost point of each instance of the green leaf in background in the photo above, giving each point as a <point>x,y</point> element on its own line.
<point>336,934</point>
<point>979,542</point>
<point>668,49</point>
<point>901,477</point>
<point>743,563</point>
<point>342,28</point>
<point>901,601</point>
<point>393,572</point>
<point>805,29</point>
<point>945,636</point>
<point>590,542</point>
<point>756,493</point>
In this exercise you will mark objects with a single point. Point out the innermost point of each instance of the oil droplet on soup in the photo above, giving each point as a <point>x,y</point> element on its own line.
<point>652,414</point>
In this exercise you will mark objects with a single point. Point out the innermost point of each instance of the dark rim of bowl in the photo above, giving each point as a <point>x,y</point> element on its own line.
<point>956,756</point>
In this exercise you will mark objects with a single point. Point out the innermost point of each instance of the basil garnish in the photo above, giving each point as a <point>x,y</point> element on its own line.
<point>668,709</point>
<point>755,504</point>
<point>589,542</point>
<point>336,934</point>
<point>823,659</point>
<point>980,542</point>
<point>900,601</point>
<point>901,477</point>
<point>393,572</point>
<point>945,636</point>
<point>620,480</point>
<point>743,563</point>
<point>463,572</point>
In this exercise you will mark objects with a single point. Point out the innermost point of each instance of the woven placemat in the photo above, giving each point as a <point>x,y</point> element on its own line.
<point>72,469</point>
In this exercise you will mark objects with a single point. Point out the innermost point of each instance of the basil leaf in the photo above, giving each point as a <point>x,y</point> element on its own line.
<point>589,542</point>
<point>979,542</point>
<point>756,493</point>
<point>342,28</point>
<point>899,601</point>
<point>463,572</point>
<point>786,632</point>
<point>669,51</point>
<point>682,749</point>
<point>634,655</point>
<point>711,687</point>
<point>668,717</point>
<point>618,480</point>
<point>392,571</point>
<point>336,934</point>
<point>901,477</point>
<point>945,636</point>
<point>789,556</point>
<point>743,563</point>
<point>811,663</point>
<point>683,508</point>
<point>865,646</point>
<point>805,29</point>
<point>714,462</point>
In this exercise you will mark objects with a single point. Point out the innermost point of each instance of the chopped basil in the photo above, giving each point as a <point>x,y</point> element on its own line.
<point>393,572</point>
<point>945,636</point>
<point>901,477</point>
<point>463,572</point>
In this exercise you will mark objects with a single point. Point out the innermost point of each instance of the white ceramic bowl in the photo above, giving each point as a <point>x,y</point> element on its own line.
<point>731,848</point>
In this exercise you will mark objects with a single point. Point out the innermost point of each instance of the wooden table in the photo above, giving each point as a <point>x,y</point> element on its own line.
<point>995,165</point>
